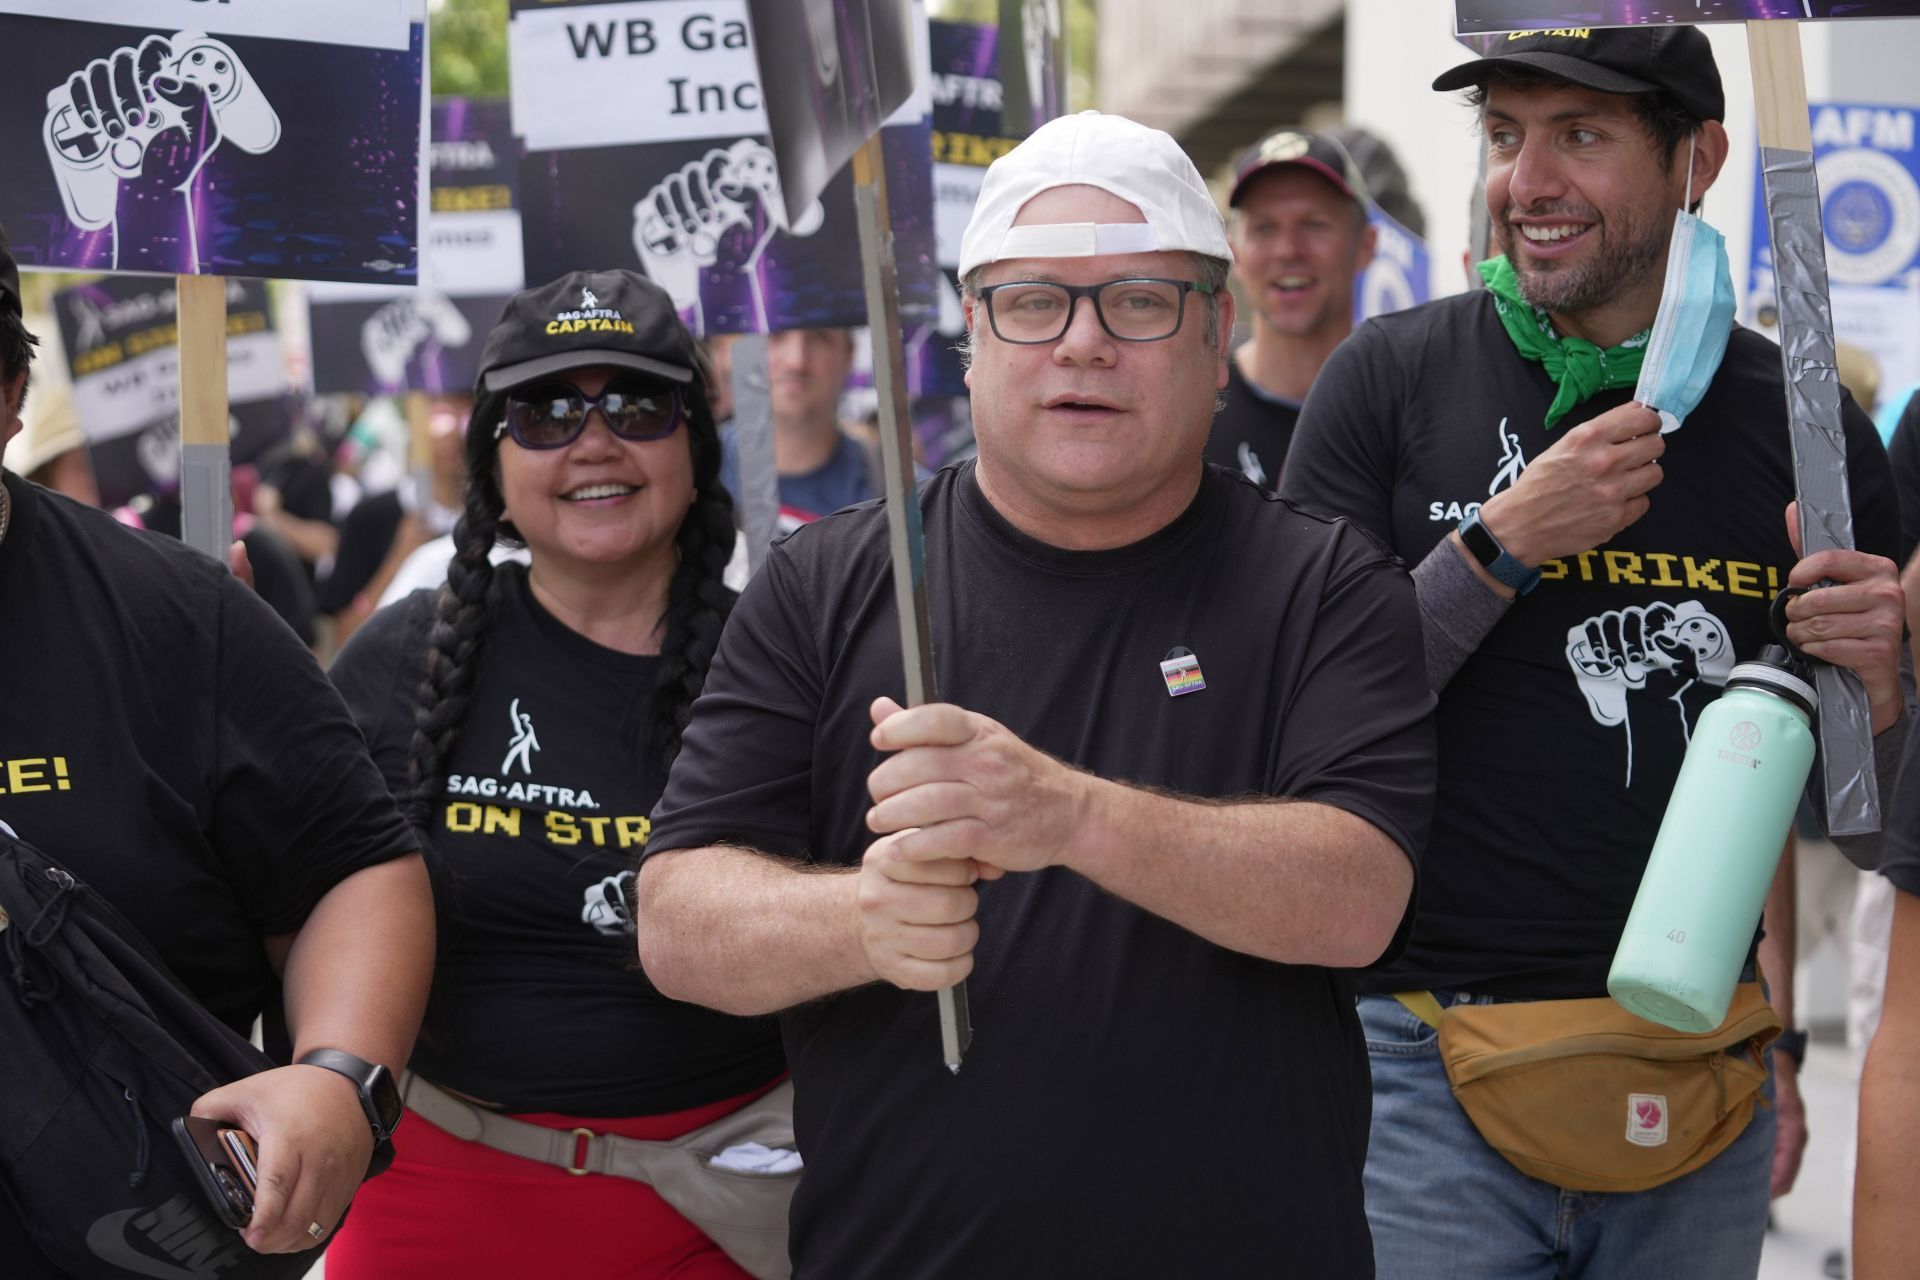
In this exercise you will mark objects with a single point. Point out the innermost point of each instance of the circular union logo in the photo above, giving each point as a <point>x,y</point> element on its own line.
<point>1872,214</point>
<point>1745,735</point>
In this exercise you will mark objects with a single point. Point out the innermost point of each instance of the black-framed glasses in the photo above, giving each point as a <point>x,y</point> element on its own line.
<point>552,416</point>
<point>1142,309</point>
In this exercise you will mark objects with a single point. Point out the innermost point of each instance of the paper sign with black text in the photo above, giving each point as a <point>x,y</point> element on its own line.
<point>168,150</point>
<point>121,337</point>
<point>690,193</point>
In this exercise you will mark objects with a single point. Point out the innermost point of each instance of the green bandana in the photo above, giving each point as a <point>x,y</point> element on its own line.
<point>1577,367</point>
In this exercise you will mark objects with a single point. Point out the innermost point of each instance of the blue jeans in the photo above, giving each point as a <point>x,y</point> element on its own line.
<point>1444,1205</point>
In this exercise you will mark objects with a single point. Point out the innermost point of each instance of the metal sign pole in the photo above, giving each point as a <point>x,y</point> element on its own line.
<point>903,499</point>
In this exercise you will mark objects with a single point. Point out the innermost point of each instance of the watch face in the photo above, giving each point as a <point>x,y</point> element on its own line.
<point>385,1097</point>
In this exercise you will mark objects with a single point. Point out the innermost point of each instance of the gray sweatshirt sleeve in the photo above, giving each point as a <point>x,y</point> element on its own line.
<point>1889,746</point>
<point>1457,610</point>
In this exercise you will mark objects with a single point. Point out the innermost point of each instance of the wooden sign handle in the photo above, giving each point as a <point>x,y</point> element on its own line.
<point>206,474</point>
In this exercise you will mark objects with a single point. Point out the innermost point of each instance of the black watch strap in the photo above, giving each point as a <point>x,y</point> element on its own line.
<point>379,1096</point>
<point>1486,549</point>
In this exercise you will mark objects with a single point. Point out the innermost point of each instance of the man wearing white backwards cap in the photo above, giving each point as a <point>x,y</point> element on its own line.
<point>1171,797</point>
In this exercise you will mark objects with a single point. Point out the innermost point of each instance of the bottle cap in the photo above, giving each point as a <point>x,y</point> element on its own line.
<point>1776,671</point>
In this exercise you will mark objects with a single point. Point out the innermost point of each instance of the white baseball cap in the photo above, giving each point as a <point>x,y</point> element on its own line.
<point>1142,166</point>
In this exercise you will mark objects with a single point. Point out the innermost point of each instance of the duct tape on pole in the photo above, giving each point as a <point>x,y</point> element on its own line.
<point>758,502</point>
<point>1846,768</point>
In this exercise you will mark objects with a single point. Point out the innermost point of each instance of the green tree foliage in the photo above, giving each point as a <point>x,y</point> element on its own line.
<point>468,48</point>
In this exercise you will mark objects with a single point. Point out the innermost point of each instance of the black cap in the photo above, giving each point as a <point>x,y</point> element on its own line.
<point>1308,150</point>
<point>1612,60</point>
<point>9,277</point>
<point>619,318</point>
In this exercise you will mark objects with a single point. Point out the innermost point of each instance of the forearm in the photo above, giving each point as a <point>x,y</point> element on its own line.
<point>312,540</point>
<point>746,932</point>
<point>1777,946</point>
<point>358,970</point>
<point>1290,881</point>
<point>1886,1230</point>
<point>1459,604</point>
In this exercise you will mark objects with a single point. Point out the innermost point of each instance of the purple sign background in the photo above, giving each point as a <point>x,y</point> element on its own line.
<point>425,340</point>
<point>1521,15</point>
<point>308,169</point>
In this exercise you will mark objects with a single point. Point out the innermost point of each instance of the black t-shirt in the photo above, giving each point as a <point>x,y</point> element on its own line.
<point>1115,1054</point>
<point>1252,431</point>
<point>538,1000</point>
<point>366,536</point>
<point>1903,451</point>
<point>1560,738</point>
<point>1900,847</point>
<point>166,737</point>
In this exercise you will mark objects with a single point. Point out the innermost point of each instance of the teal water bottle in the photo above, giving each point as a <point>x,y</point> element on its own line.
<point>1706,882</point>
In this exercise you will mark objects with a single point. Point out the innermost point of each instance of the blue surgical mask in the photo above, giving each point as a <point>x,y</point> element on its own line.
<point>1695,319</point>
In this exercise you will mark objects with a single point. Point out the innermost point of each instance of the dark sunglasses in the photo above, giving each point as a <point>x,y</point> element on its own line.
<point>553,416</point>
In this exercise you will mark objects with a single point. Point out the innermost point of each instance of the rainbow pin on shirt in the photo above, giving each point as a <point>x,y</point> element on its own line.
<point>1181,670</point>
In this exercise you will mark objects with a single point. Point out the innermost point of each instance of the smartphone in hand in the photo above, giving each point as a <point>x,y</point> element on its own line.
<point>224,1162</point>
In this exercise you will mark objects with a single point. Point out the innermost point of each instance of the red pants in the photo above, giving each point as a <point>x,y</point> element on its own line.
<point>454,1208</point>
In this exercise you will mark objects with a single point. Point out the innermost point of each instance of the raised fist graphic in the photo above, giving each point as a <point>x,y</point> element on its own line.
<point>1636,666</point>
<point>129,134</point>
<point>394,334</point>
<point>714,214</point>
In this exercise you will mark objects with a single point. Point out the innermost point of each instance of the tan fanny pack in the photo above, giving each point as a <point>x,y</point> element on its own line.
<point>1589,1097</point>
<point>745,1213</point>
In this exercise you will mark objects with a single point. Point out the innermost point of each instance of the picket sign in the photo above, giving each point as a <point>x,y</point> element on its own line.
<point>1813,395</point>
<point>206,469</point>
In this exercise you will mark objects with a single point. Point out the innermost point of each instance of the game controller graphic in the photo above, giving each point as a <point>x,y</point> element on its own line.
<point>715,214</point>
<point>128,135</point>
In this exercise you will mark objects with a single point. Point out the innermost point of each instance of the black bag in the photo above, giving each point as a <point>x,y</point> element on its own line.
<point>100,1048</point>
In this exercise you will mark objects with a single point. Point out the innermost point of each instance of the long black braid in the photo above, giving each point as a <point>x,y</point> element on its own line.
<point>698,602</point>
<point>462,614</point>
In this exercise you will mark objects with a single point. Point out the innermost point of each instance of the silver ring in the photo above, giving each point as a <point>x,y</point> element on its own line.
<point>317,1231</point>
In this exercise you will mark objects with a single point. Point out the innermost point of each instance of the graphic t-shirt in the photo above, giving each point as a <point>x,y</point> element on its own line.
<point>170,741</point>
<point>1252,431</point>
<point>1114,1050</point>
<point>1560,738</point>
<point>538,1000</point>
<point>849,476</point>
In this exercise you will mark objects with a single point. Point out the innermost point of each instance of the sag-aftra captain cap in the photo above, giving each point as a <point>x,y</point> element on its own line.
<point>1142,166</point>
<point>1612,60</point>
<point>617,318</point>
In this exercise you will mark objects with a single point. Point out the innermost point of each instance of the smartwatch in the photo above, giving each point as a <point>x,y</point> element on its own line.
<point>379,1096</point>
<point>1486,549</point>
<point>1792,1044</point>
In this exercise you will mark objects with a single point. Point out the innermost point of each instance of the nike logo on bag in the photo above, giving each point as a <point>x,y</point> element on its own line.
<point>201,1247</point>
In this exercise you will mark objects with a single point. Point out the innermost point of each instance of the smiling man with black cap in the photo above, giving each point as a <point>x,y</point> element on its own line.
<point>1300,236</point>
<point>1589,464</point>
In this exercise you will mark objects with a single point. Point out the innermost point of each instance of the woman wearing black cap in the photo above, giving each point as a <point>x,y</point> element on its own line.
<point>529,715</point>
